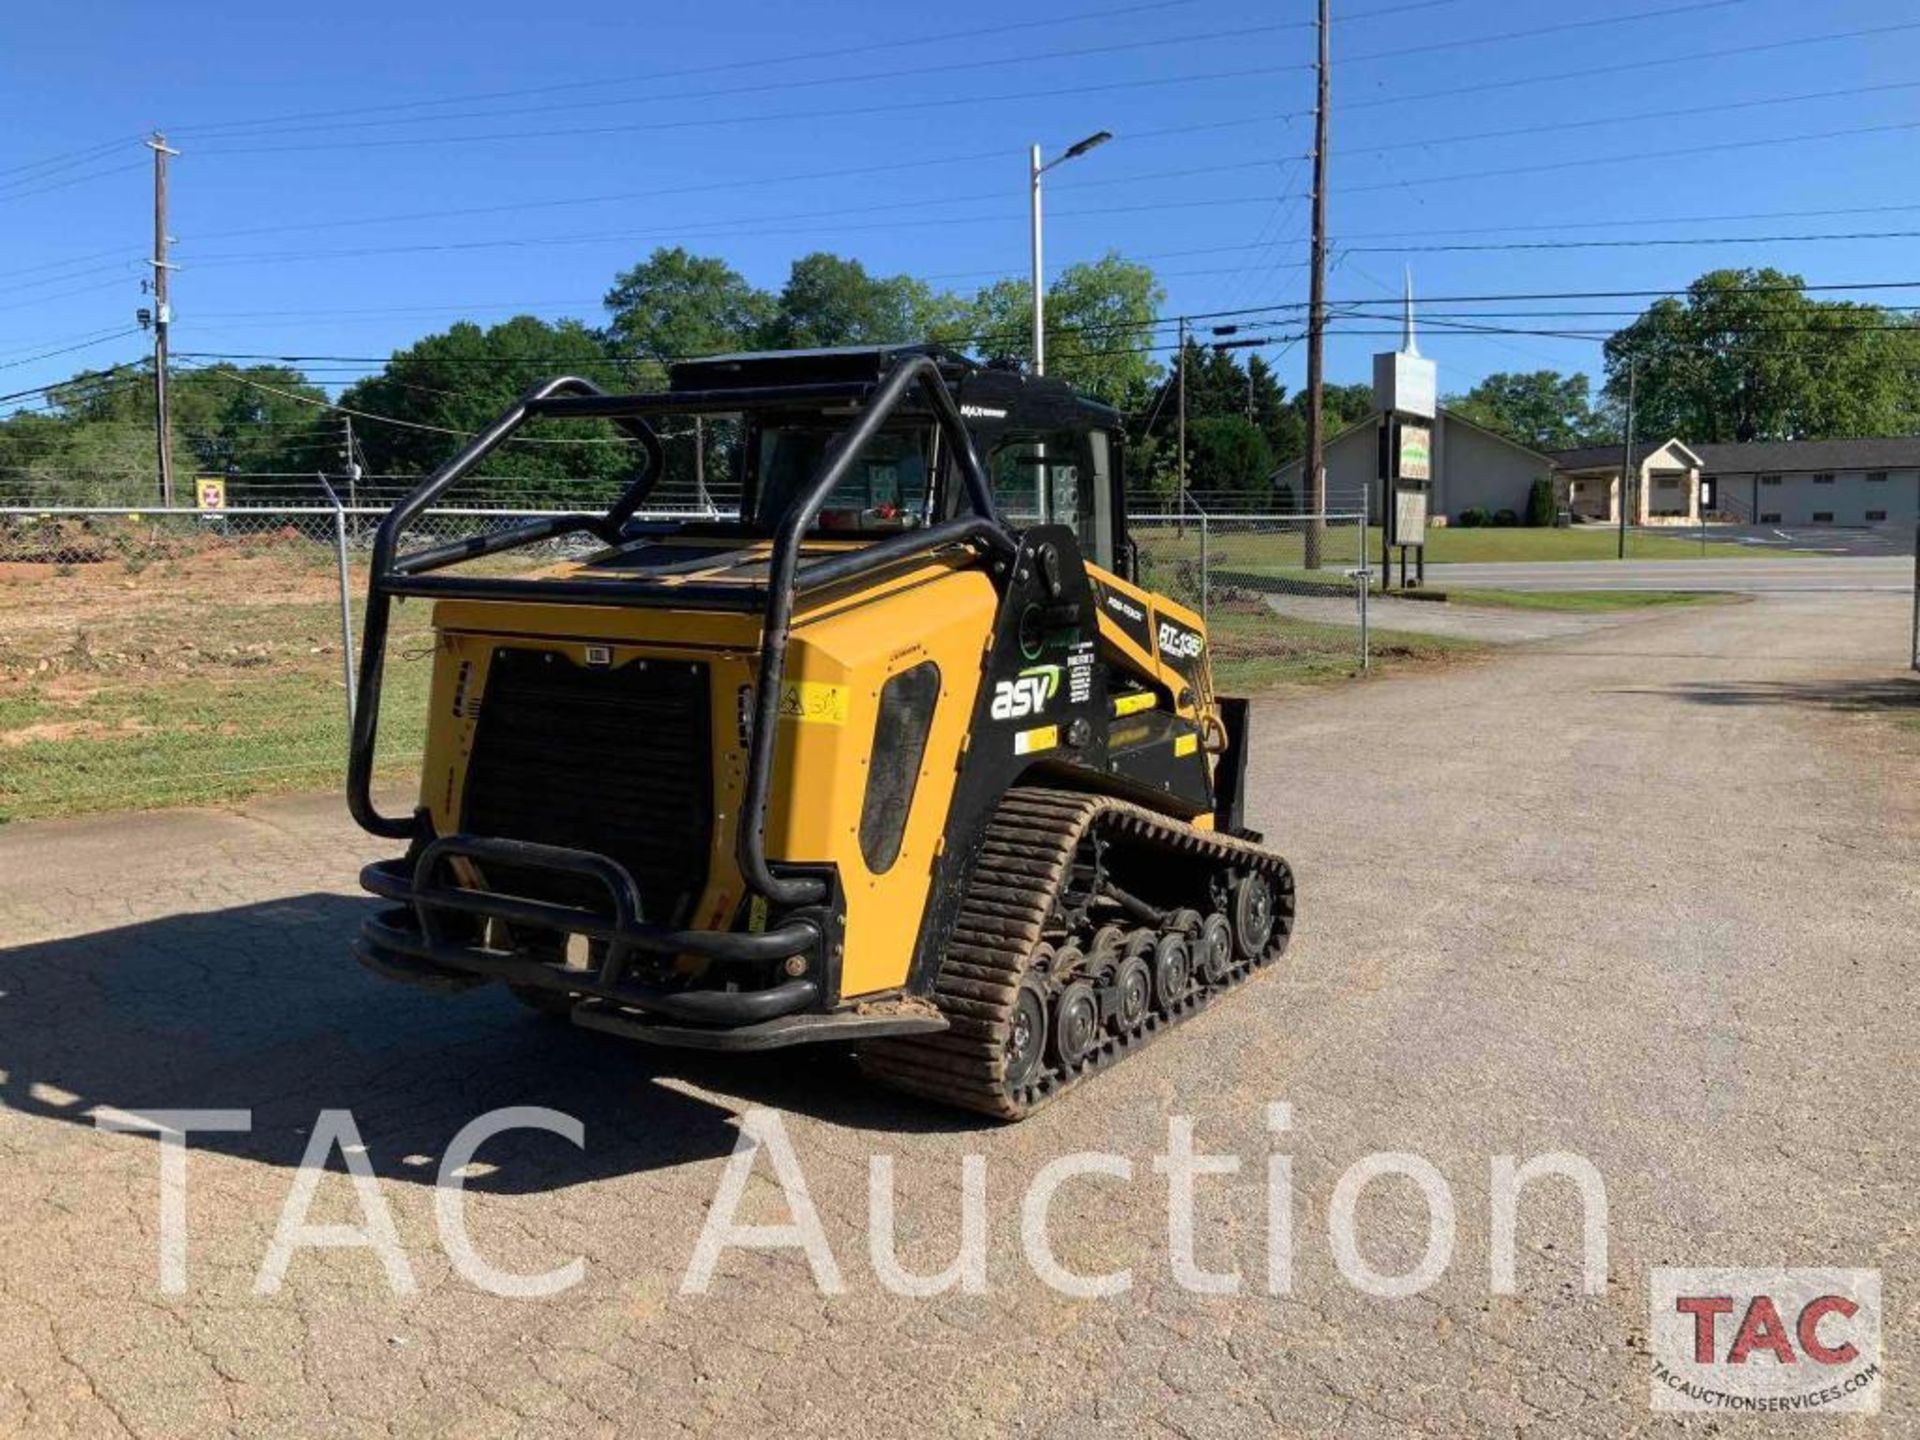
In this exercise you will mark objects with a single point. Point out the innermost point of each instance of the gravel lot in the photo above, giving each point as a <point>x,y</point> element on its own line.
<point>1646,894</point>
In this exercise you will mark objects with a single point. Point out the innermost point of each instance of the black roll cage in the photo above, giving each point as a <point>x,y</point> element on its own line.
<point>573,398</point>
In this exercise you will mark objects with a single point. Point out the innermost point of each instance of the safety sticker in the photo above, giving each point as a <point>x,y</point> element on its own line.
<point>812,702</point>
<point>1032,742</point>
<point>1185,744</point>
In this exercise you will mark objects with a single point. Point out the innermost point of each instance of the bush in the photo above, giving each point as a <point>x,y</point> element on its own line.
<point>1540,505</point>
<point>1472,519</point>
<point>1506,520</point>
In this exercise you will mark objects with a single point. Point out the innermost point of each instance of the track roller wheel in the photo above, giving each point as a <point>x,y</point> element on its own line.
<point>1172,970</point>
<point>1026,1043</point>
<point>1253,916</point>
<point>1215,948</point>
<point>1076,1024</point>
<point>1133,985</point>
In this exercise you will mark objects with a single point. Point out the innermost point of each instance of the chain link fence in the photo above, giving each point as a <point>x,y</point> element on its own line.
<point>152,658</point>
<point>163,657</point>
<point>1258,579</point>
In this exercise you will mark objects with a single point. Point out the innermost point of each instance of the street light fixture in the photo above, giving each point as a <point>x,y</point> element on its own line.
<point>1036,169</point>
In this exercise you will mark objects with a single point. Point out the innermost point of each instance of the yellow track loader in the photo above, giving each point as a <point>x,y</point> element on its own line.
<point>901,755</point>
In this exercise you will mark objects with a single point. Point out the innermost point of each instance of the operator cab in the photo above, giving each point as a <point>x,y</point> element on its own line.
<point>1052,456</point>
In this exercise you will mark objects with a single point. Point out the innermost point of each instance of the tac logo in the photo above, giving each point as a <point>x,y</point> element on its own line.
<point>1178,644</point>
<point>1766,1341</point>
<point>1026,694</point>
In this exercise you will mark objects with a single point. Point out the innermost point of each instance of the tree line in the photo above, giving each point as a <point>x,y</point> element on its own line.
<point>1745,354</point>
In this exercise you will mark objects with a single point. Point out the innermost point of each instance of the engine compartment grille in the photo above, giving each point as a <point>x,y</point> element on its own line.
<point>612,760</point>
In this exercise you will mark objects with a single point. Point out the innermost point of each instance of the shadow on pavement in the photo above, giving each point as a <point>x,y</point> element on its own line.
<point>1893,695</point>
<point>262,1007</point>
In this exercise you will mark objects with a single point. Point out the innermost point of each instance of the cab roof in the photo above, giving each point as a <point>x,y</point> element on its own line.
<point>827,363</point>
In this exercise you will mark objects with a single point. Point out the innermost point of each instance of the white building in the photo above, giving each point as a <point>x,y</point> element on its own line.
<point>1666,489</point>
<point>1814,482</point>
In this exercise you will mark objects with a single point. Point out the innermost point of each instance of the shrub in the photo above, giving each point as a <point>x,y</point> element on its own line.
<point>1472,519</point>
<point>1540,505</point>
<point>1506,519</point>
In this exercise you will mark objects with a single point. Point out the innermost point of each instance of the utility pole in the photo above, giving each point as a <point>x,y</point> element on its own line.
<point>1626,459</point>
<point>1316,475</point>
<point>162,316</point>
<point>1182,369</point>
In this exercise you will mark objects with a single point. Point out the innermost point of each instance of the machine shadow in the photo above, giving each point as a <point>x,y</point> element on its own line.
<point>261,1007</point>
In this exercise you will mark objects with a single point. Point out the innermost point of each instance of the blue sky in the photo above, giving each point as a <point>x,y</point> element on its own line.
<point>307,146</point>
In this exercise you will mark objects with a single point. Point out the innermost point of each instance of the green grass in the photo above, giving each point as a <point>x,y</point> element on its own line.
<point>249,710</point>
<point>1583,600</point>
<point>1255,649</point>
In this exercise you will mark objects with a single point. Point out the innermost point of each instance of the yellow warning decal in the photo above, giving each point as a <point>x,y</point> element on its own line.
<point>1185,744</point>
<point>812,702</point>
<point>1032,742</point>
<point>1133,704</point>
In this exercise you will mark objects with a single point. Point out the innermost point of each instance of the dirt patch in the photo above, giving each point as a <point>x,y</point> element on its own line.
<point>55,731</point>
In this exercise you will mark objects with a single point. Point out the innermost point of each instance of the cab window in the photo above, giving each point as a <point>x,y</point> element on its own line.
<point>1061,479</point>
<point>886,487</point>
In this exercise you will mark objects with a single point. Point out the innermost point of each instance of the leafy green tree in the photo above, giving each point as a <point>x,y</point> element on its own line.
<point>95,440</point>
<point>1099,327</point>
<point>676,304</point>
<point>1340,407</point>
<point>831,300</point>
<point>1227,453</point>
<point>1283,427</point>
<point>1541,408</point>
<point>1748,355</point>
<point>445,387</point>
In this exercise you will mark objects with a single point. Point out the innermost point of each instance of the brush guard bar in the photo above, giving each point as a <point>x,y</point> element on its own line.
<point>430,936</point>
<point>570,397</point>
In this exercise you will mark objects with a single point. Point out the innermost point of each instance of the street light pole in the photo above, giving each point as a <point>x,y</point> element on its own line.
<point>1036,167</point>
<point>1626,458</point>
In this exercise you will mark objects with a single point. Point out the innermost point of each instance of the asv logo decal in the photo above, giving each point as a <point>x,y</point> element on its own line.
<point>1026,694</point>
<point>1178,644</point>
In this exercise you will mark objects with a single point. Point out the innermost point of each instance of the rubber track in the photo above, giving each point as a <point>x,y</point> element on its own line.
<point>1023,863</point>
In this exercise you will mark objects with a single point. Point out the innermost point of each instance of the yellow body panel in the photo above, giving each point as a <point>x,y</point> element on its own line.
<point>1198,691</point>
<point>845,645</point>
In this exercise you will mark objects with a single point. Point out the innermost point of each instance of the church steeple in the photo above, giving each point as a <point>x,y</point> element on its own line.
<point>1409,343</point>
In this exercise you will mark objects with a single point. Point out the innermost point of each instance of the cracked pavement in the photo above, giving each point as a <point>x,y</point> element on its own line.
<point>1647,895</point>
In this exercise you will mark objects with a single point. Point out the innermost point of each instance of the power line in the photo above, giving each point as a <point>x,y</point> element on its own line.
<point>1636,156</point>
<point>791,177</point>
<point>333,123</point>
<point>735,227</point>
<point>1638,222</point>
<point>1643,242</point>
<point>63,294</point>
<point>973,102</point>
<point>70,349</point>
<point>1639,63</point>
<point>27,193</point>
<point>334,126</point>
<point>71,157</point>
<point>1427,142</point>
<point>574,86</point>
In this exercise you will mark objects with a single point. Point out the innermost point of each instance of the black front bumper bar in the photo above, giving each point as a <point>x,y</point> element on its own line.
<point>419,940</point>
